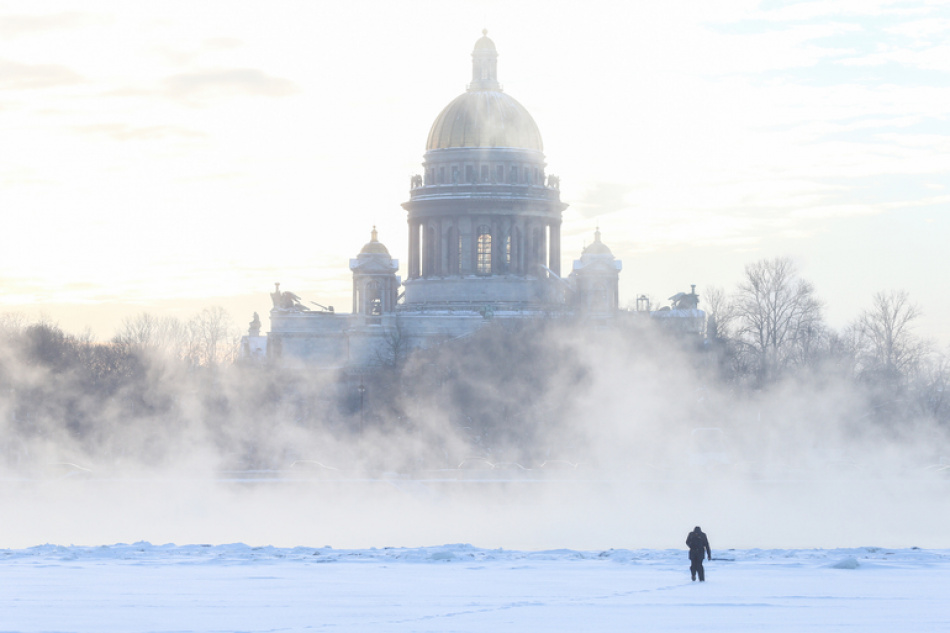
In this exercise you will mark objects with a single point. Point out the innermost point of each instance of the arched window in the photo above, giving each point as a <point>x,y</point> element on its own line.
<point>483,251</point>
<point>516,250</point>
<point>374,304</point>
<point>507,253</point>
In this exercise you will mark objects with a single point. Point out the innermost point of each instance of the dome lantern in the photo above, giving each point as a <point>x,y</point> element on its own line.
<point>484,65</point>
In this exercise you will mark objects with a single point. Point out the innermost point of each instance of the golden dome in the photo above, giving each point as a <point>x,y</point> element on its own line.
<point>374,246</point>
<point>484,116</point>
<point>596,247</point>
<point>484,119</point>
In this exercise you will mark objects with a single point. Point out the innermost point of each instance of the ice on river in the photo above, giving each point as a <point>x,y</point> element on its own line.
<point>460,588</point>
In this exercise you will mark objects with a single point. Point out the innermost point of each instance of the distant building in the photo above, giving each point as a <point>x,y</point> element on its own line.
<point>683,314</point>
<point>484,243</point>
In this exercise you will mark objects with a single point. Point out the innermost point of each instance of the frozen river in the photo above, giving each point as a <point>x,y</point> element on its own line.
<point>147,588</point>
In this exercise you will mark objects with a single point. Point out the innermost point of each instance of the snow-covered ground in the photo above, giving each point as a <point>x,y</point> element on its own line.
<point>144,587</point>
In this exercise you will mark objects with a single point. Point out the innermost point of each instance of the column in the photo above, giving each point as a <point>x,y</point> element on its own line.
<point>438,252</point>
<point>543,255</point>
<point>554,262</point>
<point>413,271</point>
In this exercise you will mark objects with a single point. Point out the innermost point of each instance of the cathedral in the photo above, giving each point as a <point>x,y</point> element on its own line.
<point>484,243</point>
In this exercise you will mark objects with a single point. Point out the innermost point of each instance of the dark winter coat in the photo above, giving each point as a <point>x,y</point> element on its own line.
<point>698,545</point>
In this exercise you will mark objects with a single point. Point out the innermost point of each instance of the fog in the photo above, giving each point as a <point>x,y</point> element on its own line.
<point>600,438</point>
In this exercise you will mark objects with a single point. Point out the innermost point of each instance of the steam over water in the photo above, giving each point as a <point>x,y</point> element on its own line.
<point>516,439</point>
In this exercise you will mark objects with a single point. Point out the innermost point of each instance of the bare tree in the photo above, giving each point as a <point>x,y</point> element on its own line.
<point>841,351</point>
<point>12,322</point>
<point>395,348</point>
<point>720,310</point>
<point>164,336</point>
<point>778,318</point>
<point>888,346</point>
<point>212,337</point>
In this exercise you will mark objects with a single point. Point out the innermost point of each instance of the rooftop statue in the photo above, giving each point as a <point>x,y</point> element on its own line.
<point>686,300</point>
<point>287,301</point>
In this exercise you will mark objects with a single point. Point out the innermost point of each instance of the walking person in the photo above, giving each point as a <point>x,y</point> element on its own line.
<point>698,545</point>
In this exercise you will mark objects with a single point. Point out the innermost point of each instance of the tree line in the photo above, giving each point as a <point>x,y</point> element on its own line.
<point>771,327</point>
<point>162,386</point>
<point>122,398</point>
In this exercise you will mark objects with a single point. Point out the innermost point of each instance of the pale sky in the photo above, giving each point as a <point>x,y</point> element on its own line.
<point>170,156</point>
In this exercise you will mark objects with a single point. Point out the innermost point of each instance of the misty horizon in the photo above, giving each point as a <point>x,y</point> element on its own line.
<point>643,431</point>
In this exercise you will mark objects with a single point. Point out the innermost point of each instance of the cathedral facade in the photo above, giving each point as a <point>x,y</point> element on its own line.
<point>484,243</point>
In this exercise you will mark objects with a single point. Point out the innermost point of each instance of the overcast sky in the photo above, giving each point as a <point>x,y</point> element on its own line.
<point>170,156</point>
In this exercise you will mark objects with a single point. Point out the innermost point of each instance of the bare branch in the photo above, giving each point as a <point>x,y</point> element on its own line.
<point>777,315</point>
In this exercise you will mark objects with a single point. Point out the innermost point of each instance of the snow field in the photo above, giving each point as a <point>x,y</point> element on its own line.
<point>143,588</point>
